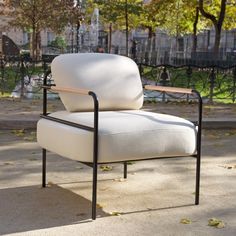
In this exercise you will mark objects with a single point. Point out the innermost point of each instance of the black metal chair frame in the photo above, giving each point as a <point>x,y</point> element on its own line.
<point>94,129</point>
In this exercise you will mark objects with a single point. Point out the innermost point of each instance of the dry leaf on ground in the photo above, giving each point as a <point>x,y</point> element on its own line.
<point>115,213</point>
<point>105,168</point>
<point>186,221</point>
<point>19,133</point>
<point>214,222</point>
<point>229,166</point>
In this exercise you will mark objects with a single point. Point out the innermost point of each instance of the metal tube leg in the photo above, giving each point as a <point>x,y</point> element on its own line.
<point>95,155</point>
<point>197,179</point>
<point>125,170</point>
<point>44,168</point>
<point>94,197</point>
<point>198,164</point>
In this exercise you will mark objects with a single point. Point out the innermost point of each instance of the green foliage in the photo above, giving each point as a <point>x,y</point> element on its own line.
<point>115,11</point>
<point>199,80</point>
<point>59,42</point>
<point>176,17</point>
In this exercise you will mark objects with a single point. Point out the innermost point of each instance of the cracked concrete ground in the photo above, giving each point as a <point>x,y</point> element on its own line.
<point>153,200</point>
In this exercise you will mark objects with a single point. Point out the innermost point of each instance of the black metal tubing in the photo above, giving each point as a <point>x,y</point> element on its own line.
<point>94,129</point>
<point>198,155</point>
<point>125,170</point>
<point>44,152</point>
<point>95,146</point>
<point>95,154</point>
<point>65,122</point>
<point>45,92</point>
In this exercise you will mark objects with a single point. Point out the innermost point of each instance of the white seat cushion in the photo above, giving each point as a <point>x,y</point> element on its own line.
<point>123,135</point>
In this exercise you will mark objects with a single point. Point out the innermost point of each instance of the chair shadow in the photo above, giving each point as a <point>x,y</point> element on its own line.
<point>157,209</point>
<point>32,208</point>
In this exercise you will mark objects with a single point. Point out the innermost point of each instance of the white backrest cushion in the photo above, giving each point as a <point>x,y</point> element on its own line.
<point>115,79</point>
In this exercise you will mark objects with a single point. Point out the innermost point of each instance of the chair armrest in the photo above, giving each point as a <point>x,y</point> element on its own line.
<point>169,89</point>
<point>67,90</point>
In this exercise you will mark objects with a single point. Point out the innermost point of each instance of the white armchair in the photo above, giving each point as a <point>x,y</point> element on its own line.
<point>103,123</point>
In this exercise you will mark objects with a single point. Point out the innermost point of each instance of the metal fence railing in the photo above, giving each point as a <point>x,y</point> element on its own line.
<point>216,80</point>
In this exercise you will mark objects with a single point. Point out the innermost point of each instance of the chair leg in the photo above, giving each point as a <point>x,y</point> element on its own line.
<point>43,168</point>
<point>94,194</point>
<point>125,170</point>
<point>198,167</point>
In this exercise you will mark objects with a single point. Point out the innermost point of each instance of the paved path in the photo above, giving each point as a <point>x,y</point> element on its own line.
<point>152,202</point>
<point>19,114</point>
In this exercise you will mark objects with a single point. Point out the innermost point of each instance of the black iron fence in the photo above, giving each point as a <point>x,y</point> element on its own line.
<point>22,77</point>
<point>215,83</point>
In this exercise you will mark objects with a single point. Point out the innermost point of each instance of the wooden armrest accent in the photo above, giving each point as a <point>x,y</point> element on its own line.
<point>168,89</point>
<point>70,90</point>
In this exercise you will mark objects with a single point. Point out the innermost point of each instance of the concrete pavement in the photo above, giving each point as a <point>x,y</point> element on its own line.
<point>19,114</point>
<point>154,199</point>
<point>157,195</point>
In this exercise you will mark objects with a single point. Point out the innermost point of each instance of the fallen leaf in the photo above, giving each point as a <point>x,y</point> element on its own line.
<point>99,206</point>
<point>105,168</point>
<point>229,166</point>
<point>186,221</point>
<point>19,133</point>
<point>115,213</point>
<point>220,225</point>
<point>230,133</point>
<point>50,184</point>
<point>130,162</point>
<point>8,163</point>
<point>216,223</point>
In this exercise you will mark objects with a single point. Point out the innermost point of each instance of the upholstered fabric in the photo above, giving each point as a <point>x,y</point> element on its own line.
<point>115,79</point>
<point>123,135</point>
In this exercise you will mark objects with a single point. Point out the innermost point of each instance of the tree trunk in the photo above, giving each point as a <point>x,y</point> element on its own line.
<point>217,41</point>
<point>32,44</point>
<point>77,36</point>
<point>110,38</point>
<point>194,48</point>
<point>35,45</point>
<point>38,46</point>
<point>216,22</point>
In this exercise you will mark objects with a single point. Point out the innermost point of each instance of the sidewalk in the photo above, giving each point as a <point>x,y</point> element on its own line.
<point>23,114</point>
<point>157,195</point>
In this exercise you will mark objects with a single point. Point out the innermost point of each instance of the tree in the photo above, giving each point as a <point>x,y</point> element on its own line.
<point>217,20</point>
<point>75,17</point>
<point>35,15</point>
<point>113,13</point>
<point>221,14</point>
